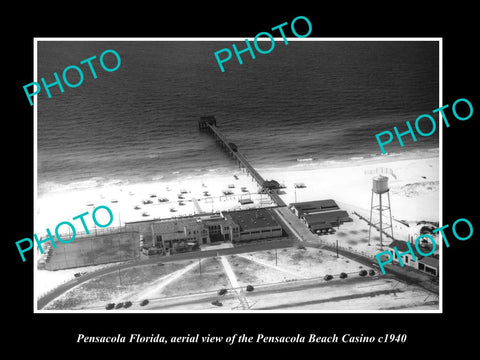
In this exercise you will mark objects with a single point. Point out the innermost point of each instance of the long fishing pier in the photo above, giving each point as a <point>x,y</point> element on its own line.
<point>209,123</point>
<point>287,217</point>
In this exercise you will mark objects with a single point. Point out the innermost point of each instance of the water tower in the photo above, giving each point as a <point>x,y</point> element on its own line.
<point>380,188</point>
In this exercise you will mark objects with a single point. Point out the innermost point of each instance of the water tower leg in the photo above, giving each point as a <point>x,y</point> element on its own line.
<point>370,223</point>
<point>390,211</point>
<point>381,244</point>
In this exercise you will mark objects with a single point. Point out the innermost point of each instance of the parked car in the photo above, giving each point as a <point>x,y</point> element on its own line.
<point>222,291</point>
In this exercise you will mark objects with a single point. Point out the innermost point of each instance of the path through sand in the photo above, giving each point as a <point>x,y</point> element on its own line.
<point>157,286</point>
<point>233,281</point>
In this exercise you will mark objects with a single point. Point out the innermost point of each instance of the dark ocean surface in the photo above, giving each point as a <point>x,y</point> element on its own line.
<point>324,100</point>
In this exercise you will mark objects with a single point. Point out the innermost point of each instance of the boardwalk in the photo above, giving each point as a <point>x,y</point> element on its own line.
<point>289,222</point>
<point>235,286</point>
<point>232,150</point>
<point>197,206</point>
<point>236,155</point>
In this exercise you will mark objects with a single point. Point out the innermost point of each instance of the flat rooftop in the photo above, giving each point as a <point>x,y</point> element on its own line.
<point>326,217</point>
<point>253,219</point>
<point>176,226</point>
<point>430,261</point>
<point>318,205</point>
<point>402,247</point>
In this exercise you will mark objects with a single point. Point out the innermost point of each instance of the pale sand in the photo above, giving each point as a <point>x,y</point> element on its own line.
<point>414,195</point>
<point>261,270</point>
<point>57,207</point>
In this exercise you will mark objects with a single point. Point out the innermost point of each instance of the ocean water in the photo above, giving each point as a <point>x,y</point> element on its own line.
<point>309,100</point>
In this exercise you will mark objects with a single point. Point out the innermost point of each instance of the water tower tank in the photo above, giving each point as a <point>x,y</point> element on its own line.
<point>380,184</point>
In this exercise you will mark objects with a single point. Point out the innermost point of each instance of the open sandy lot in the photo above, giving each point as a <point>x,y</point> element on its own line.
<point>291,279</point>
<point>414,185</point>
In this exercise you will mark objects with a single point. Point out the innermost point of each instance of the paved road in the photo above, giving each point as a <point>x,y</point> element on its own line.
<point>284,295</point>
<point>404,274</point>
<point>293,225</point>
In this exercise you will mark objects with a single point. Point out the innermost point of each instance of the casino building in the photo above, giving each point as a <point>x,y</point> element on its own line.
<point>190,232</point>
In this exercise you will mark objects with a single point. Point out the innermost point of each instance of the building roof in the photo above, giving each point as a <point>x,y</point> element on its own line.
<point>253,219</point>
<point>176,226</point>
<point>403,247</point>
<point>430,261</point>
<point>317,205</point>
<point>245,201</point>
<point>271,184</point>
<point>321,226</point>
<point>210,119</point>
<point>325,217</point>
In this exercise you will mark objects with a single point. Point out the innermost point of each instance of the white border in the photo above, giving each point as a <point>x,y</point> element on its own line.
<point>400,311</point>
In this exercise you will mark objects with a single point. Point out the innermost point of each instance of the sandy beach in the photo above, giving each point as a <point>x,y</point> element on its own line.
<point>414,193</point>
<point>414,185</point>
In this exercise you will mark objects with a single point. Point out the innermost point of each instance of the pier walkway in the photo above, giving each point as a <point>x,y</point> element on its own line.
<point>287,219</point>
<point>209,123</point>
<point>295,227</point>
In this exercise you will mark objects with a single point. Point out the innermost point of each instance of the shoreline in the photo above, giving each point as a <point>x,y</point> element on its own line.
<point>414,184</point>
<point>48,187</point>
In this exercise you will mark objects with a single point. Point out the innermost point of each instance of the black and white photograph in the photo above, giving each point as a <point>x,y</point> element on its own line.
<point>226,180</point>
<point>260,188</point>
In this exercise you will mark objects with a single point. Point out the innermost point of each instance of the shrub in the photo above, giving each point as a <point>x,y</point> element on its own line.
<point>343,275</point>
<point>371,272</point>
<point>110,306</point>
<point>250,288</point>
<point>328,277</point>
<point>144,302</point>
<point>362,272</point>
